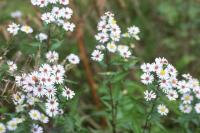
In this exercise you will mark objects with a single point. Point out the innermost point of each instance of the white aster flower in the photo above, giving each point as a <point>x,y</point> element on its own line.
<point>27,29</point>
<point>111,47</point>
<point>69,94</point>
<point>35,114</point>
<point>12,66</point>
<point>100,47</point>
<point>102,37</point>
<point>12,125</point>
<point>66,13</point>
<point>58,70</point>
<point>147,78</point>
<point>69,26</point>
<point>13,28</point>
<point>73,59</point>
<point>51,91</point>
<point>52,103</point>
<point>185,108</point>
<point>47,17</point>
<point>125,54</point>
<point>16,14</point>
<point>97,55</point>
<point>172,95</point>
<point>36,129</point>
<point>149,95</point>
<point>52,111</point>
<point>172,70</point>
<point>20,108</point>
<point>41,37</point>
<point>52,56</point>
<point>2,128</point>
<point>18,98</point>
<point>187,98</point>
<point>44,119</point>
<point>64,2</point>
<point>162,109</point>
<point>42,3</point>
<point>56,12</point>
<point>162,61</point>
<point>155,67</point>
<point>183,87</point>
<point>197,108</point>
<point>53,1</point>
<point>146,67</point>
<point>133,31</point>
<point>34,2</point>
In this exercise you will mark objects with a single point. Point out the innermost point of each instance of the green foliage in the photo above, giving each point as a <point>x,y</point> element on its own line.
<point>169,28</point>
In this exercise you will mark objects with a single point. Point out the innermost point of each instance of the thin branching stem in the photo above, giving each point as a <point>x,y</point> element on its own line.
<point>112,101</point>
<point>148,117</point>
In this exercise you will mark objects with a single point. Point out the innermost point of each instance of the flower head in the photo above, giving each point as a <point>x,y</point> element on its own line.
<point>162,109</point>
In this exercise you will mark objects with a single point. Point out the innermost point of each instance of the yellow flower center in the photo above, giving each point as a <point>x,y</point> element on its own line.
<point>12,124</point>
<point>113,21</point>
<point>1,129</point>
<point>27,28</point>
<point>162,110</point>
<point>162,72</point>
<point>112,46</point>
<point>187,98</point>
<point>34,115</point>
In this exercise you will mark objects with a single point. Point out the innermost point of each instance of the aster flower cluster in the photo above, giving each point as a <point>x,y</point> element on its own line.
<point>109,35</point>
<point>15,28</point>
<point>16,14</point>
<point>163,75</point>
<point>40,93</point>
<point>57,12</point>
<point>11,125</point>
<point>12,66</point>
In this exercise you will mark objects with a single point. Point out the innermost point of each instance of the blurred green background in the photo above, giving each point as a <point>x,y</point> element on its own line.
<point>169,28</point>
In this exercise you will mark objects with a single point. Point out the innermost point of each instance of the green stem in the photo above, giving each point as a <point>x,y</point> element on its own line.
<point>148,118</point>
<point>112,102</point>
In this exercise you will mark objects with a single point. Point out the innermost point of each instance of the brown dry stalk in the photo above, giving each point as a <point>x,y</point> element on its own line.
<point>100,6</point>
<point>84,57</point>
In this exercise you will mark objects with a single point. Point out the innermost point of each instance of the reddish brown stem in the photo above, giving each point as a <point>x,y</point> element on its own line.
<point>85,60</point>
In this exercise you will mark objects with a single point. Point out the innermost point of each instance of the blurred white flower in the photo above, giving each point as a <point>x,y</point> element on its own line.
<point>2,128</point>
<point>41,37</point>
<point>13,28</point>
<point>36,129</point>
<point>172,95</point>
<point>35,114</point>
<point>97,55</point>
<point>52,56</point>
<point>69,94</point>
<point>16,14</point>
<point>197,108</point>
<point>162,109</point>
<point>12,66</point>
<point>26,29</point>
<point>133,31</point>
<point>111,47</point>
<point>187,98</point>
<point>44,119</point>
<point>69,26</point>
<point>149,95</point>
<point>73,59</point>
<point>64,2</point>
<point>147,78</point>
<point>185,108</point>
